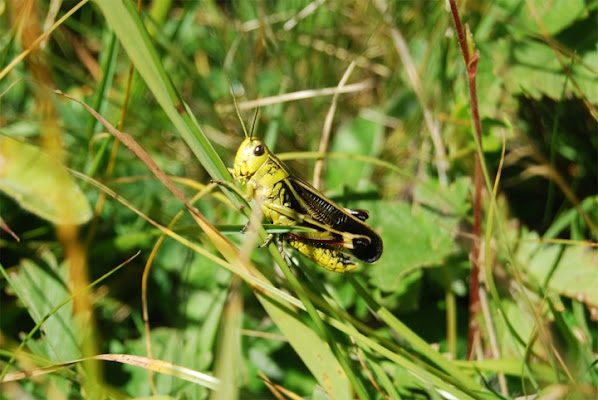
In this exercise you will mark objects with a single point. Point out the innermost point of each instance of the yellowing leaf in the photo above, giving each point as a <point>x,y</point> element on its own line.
<point>40,184</point>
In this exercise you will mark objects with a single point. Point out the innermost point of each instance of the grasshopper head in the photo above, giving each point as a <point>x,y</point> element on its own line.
<point>251,155</point>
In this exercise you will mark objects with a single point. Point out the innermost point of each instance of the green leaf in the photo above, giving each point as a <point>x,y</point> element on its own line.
<point>449,201</point>
<point>553,15</point>
<point>574,272</point>
<point>534,70</point>
<point>40,184</point>
<point>412,239</point>
<point>361,137</point>
<point>43,286</point>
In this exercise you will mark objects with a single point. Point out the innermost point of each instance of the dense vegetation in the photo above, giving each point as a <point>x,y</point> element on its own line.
<point>114,287</point>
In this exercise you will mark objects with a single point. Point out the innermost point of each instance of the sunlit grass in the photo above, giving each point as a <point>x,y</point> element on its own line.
<point>369,100</point>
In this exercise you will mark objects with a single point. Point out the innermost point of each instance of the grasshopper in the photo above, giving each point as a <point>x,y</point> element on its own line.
<point>288,200</point>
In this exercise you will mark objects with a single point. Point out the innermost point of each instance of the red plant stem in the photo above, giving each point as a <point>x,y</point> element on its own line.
<point>471,63</point>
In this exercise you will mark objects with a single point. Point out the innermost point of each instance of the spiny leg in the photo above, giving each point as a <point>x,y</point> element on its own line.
<point>282,252</point>
<point>267,241</point>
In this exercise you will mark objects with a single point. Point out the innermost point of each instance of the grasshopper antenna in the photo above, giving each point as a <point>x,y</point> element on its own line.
<point>257,111</point>
<point>232,92</point>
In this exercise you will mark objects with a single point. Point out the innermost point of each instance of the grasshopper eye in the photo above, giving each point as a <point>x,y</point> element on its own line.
<point>259,150</point>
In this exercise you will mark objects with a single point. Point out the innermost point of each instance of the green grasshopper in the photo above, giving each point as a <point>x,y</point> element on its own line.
<point>288,200</point>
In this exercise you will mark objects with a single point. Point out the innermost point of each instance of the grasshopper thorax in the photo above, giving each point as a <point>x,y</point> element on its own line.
<point>252,154</point>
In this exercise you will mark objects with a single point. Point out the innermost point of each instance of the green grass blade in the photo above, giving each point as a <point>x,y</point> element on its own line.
<point>132,34</point>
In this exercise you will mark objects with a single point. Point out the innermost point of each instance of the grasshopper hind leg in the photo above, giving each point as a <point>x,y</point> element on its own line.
<point>322,251</point>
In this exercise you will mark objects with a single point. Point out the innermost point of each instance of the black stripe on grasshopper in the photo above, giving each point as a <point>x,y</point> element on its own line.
<point>367,246</point>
